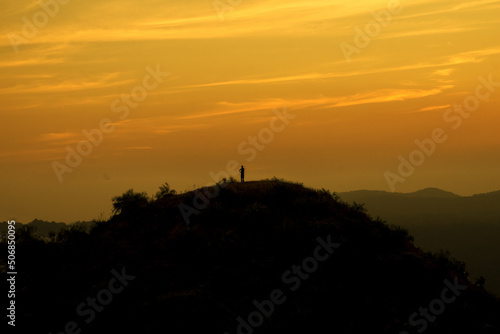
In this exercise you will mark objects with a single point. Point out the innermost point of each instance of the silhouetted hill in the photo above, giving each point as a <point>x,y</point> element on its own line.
<point>432,193</point>
<point>423,193</point>
<point>466,226</point>
<point>420,206</point>
<point>325,265</point>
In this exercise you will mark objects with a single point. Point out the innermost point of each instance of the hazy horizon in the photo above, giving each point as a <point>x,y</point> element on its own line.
<point>106,206</point>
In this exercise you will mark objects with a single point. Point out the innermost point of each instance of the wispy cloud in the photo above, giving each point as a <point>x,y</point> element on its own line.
<point>19,7</point>
<point>444,72</point>
<point>431,108</point>
<point>300,77</point>
<point>379,96</point>
<point>57,136</point>
<point>139,148</point>
<point>30,62</point>
<point>103,81</point>
<point>475,4</point>
<point>428,32</point>
<point>450,60</point>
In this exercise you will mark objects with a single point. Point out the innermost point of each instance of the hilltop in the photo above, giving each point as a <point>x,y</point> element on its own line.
<point>268,257</point>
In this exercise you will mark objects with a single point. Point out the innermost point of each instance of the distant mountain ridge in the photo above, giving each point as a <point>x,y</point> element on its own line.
<point>45,228</point>
<point>432,193</point>
<point>422,206</point>
<point>422,193</point>
<point>467,226</point>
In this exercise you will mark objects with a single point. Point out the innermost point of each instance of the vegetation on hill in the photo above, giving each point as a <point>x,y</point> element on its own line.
<point>239,250</point>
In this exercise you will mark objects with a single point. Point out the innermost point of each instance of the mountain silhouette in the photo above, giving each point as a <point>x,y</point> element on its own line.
<point>432,193</point>
<point>430,203</point>
<point>46,229</point>
<point>467,226</point>
<point>423,193</point>
<point>257,257</point>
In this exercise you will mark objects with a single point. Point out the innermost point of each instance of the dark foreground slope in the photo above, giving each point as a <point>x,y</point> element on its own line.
<point>236,253</point>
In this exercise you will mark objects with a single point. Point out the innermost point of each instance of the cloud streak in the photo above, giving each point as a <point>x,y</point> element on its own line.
<point>375,97</point>
<point>104,81</point>
<point>452,60</point>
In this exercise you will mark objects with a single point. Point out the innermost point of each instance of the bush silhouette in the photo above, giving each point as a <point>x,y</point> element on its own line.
<point>164,191</point>
<point>129,201</point>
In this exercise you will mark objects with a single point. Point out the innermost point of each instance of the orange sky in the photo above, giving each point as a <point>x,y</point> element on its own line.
<point>70,67</point>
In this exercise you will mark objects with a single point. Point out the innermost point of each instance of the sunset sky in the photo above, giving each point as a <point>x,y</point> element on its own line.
<point>66,69</point>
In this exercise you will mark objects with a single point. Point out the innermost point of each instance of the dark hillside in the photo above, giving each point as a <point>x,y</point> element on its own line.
<point>242,248</point>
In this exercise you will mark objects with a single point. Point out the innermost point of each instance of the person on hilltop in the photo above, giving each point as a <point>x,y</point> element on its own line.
<point>242,172</point>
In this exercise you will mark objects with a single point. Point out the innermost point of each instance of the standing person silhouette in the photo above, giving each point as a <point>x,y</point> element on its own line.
<point>242,172</point>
